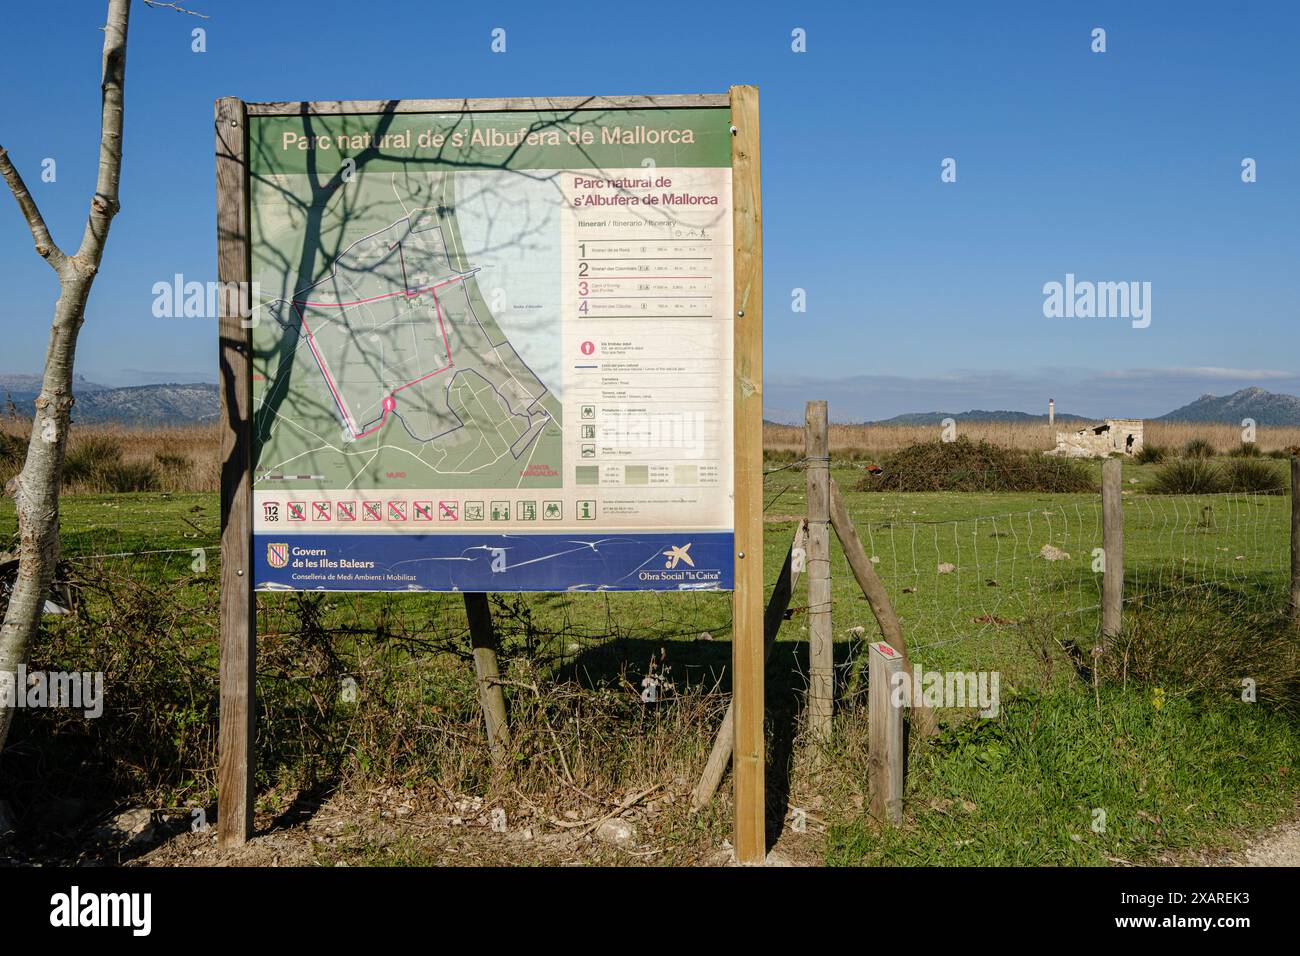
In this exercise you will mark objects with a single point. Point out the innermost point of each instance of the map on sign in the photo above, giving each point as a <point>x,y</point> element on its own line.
<point>492,350</point>
<point>423,383</point>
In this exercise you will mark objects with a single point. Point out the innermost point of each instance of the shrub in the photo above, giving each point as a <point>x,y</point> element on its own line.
<point>169,462</point>
<point>1248,449</point>
<point>1246,474</point>
<point>1189,476</point>
<point>88,455</point>
<point>120,477</point>
<point>964,465</point>
<point>1205,639</point>
<point>1198,448</point>
<point>1150,455</point>
<point>13,451</point>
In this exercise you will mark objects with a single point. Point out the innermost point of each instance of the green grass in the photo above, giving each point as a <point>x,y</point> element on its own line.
<point>1024,789</point>
<point>1170,543</point>
<point>111,523</point>
<point>1201,769</point>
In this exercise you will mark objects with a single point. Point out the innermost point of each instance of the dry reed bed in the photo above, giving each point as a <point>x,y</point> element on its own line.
<point>186,459</point>
<point>851,441</point>
<point>110,458</point>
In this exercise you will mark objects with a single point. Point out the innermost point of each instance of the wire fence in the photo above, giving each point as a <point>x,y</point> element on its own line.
<point>960,587</point>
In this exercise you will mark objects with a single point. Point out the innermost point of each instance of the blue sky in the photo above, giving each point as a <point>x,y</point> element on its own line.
<point>921,295</point>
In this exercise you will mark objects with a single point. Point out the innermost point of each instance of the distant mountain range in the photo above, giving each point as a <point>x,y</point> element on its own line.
<point>190,404</point>
<point>1266,408</point>
<point>177,404</point>
<point>975,415</point>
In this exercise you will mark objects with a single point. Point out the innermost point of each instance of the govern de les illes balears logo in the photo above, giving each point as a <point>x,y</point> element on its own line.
<point>277,554</point>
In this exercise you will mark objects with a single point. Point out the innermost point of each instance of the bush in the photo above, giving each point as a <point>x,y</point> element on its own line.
<point>1150,455</point>
<point>1246,474</point>
<point>169,462</point>
<point>1248,449</point>
<point>1189,476</point>
<point>1198,448</point>
<point>88,455</point>
<point>120,477</point>
<point>1204,640</point>
<point>13,452</point>
<point>964,465</point>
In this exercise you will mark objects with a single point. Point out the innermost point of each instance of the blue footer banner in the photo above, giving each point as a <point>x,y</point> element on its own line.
<point>494,562</point>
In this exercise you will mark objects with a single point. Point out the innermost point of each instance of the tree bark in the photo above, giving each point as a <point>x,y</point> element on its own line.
<point>36,488</point>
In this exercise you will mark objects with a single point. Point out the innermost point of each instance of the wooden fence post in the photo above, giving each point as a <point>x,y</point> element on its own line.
<point>238,620</point>
<point>1112,547</point>
<point>483,640</point>
<point>821,638</point>
<point>886,740</point>
<point>1295,536</point>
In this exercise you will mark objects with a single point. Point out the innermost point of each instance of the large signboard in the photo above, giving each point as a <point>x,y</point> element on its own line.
<point>493,350</point>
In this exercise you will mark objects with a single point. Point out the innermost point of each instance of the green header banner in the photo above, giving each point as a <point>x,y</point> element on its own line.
<point>569,139</point>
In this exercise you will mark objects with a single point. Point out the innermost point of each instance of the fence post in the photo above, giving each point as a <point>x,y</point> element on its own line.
<point>885,743</point>
<point>1295,536</point>
<point>821,642</point>
<point>482,639</point>
<point>1112,547</point>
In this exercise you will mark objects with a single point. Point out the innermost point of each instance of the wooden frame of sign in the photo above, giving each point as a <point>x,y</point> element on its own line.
<point>238,603</point>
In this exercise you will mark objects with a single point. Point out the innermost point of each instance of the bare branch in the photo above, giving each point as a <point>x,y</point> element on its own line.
<point>171,6</point>
<point>46,247</point>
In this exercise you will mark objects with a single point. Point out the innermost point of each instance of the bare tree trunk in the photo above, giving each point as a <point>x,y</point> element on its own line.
<point>36,488</point>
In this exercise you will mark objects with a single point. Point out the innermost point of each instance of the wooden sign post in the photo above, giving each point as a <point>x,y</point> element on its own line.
<point>749,758</point>
<point>394,346</point>
<point>238,607</point>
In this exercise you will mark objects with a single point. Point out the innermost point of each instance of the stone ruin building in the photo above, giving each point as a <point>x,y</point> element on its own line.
<point>1114,436</point>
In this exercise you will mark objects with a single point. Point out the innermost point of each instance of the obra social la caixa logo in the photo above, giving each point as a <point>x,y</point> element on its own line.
<point>679,565</point>
<point>277,554</point>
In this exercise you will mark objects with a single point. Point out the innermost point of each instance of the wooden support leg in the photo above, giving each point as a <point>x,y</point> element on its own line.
<point>720,755</point>
<point>750,749</point>
<point>237,721</point>
<point>487,676</point>
<point>878,599</point>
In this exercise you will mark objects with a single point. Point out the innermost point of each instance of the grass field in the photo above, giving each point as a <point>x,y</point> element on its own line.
<point>1189,771</point>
